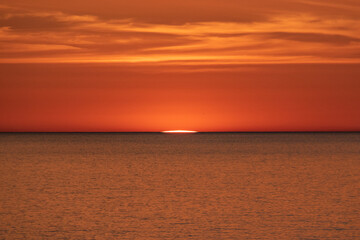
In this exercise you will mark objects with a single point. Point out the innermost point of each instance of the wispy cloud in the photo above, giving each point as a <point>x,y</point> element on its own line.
<point>55,36</point>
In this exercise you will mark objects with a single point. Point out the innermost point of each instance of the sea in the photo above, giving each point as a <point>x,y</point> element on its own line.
<point>180,186</point>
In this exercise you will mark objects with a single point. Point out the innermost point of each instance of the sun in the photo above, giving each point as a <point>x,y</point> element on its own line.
<point>179,131</point>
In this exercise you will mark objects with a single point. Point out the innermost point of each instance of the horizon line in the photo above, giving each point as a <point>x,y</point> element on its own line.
<point>162,132</point>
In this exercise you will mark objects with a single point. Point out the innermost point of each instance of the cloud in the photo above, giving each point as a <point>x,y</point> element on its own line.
<point>27,35</point>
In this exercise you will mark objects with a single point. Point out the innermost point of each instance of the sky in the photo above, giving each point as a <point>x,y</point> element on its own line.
<point>155,65</point>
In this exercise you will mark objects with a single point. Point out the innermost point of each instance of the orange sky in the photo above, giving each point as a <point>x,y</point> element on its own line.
<point>154,65</point>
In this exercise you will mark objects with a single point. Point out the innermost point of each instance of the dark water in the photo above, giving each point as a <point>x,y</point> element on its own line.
<point>158,186</point>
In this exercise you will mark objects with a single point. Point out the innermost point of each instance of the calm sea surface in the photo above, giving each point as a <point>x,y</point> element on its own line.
<point>200,186</point>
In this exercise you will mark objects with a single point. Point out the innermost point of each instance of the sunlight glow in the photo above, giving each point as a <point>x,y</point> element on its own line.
<point>179,131</point>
